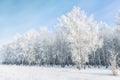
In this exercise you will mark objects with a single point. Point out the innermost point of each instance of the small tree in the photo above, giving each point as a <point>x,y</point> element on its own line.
<point>113,49</point>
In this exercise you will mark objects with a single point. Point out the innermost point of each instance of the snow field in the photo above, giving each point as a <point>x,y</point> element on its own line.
<point>53,73</point>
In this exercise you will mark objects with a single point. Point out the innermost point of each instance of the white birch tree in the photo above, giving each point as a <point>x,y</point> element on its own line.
<point>82,33</point>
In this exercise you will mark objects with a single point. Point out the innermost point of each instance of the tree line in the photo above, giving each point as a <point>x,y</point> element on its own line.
<point>77,39</point>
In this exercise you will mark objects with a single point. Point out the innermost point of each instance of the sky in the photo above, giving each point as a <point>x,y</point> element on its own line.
<point>18,16</point>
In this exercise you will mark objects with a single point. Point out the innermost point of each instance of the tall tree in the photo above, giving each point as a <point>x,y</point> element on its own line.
<point>82,33</point>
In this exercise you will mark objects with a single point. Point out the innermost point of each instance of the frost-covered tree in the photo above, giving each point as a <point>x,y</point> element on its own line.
<point>115,47</point>
<point>82,34</point>
<point>117,32</point>
<point>104,53</point>
<point>100,53</point>
<point>30,45</point>
<point>47,42</point>
<point>62,47</point>
<point>12,51</point>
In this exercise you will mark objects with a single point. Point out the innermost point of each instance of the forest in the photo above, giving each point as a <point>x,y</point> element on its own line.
<point>77,39</point>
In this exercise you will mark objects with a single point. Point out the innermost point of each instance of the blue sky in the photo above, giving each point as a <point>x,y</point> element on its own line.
<point>18,16</point>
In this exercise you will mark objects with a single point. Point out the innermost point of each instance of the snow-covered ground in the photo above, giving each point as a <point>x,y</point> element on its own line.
<point>56,73</point>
